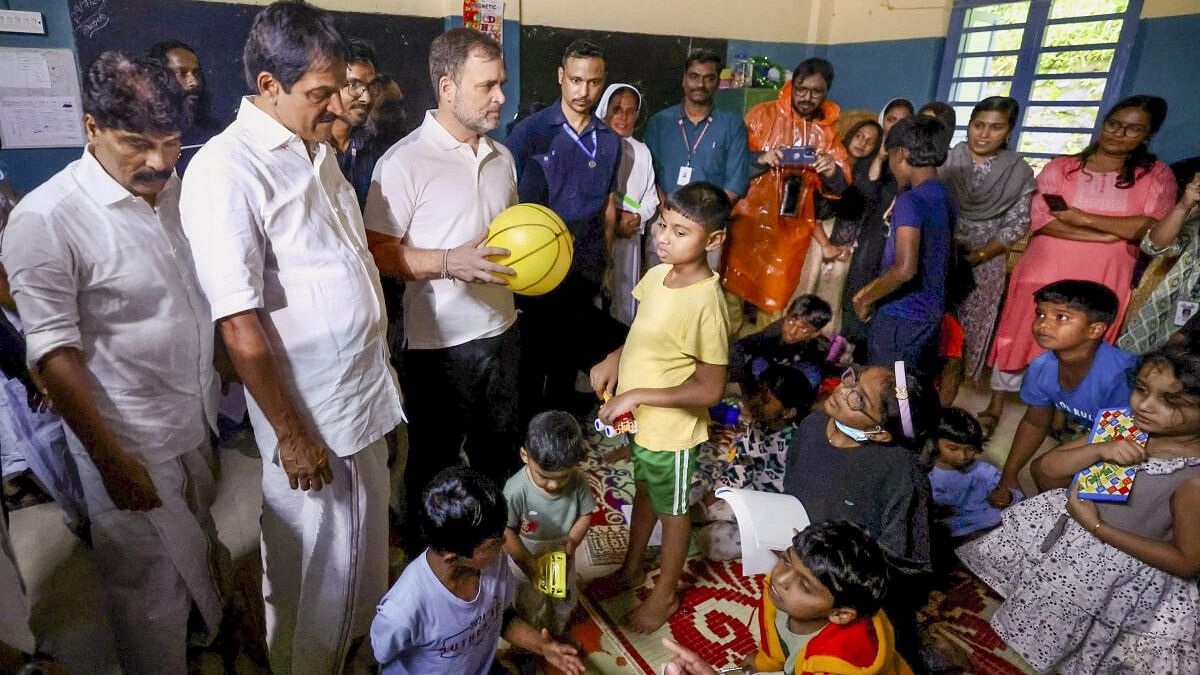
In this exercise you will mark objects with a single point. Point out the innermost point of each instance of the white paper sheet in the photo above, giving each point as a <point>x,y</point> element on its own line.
<point>41,122</point>
<point>23,69</point>
<point>767,522</point>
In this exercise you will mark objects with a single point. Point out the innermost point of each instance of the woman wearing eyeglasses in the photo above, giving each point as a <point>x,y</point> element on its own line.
<point>1113,192</point>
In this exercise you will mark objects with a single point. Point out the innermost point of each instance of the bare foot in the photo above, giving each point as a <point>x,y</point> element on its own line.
<point>619,455</point>
<point>652,613</point>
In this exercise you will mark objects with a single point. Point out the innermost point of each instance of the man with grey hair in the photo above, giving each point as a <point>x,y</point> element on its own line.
<point>119,332</point>
<point>282,256</point>
<point>432,197</point>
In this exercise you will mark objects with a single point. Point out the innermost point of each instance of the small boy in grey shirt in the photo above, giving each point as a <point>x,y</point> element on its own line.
<point>549,508</point>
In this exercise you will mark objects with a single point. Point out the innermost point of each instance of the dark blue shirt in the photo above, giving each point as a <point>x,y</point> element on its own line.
<point>553,170</point>
<point>358,163</point>
<point>722,154</point>
<point>928,208</point>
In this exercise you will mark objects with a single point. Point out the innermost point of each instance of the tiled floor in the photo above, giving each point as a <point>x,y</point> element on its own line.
<point>64,588</point>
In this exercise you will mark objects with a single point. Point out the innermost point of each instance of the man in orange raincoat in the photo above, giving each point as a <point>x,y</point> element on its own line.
<point>775,222</point>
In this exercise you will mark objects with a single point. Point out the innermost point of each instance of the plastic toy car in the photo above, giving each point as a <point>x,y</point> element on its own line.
<point>552,574</point>
<point>625,424</point>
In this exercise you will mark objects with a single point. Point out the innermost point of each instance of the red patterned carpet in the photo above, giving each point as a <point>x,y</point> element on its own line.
<point>717,616</point>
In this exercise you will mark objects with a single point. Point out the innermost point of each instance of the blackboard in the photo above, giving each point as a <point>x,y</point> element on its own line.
<point>218,32</point>
<point>652,63</point>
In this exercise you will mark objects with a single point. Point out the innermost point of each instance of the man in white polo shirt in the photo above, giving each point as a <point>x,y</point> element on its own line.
<point>431,199</point>
<point>281,254</point>
<point>117,328</point>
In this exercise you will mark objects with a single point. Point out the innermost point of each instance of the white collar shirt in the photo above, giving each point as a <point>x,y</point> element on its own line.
<point>95,268</point>
<point>278,230</point>
<point>432,191</point>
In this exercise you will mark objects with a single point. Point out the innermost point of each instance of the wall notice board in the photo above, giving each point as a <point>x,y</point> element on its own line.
<point>217,31</point>
<point>39,99</point>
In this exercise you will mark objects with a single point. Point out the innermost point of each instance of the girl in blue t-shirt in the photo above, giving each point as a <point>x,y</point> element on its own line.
<point>910,292</point>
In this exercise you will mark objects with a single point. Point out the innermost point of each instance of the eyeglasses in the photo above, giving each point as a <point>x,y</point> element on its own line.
<point>855,399</point>
<point>1118,128</point>
<point>809,92</point>
<point>357,87</point>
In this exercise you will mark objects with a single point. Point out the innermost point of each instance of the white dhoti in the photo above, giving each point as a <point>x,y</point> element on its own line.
<point>154,565</point>
<point>324,560</point>
<point>14,606</point>
<point>627,271</point>
<point>825,279</point>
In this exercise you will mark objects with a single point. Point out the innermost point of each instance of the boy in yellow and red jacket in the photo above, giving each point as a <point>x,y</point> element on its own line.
<point>821,610</point>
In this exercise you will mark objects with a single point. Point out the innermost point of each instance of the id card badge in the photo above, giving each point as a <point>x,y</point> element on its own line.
<point>685,176</point>
<point>1185,310</point>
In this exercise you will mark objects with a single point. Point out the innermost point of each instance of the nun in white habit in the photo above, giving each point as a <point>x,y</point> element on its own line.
<point>637,196</point>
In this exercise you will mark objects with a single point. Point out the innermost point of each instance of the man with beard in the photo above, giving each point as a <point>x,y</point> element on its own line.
<point>349,134</point>
<point>388,121</point>
<point>120,334</point>
<point>770,234</point>
<point>567,159</point>
<point>433,195</point>
<point>179,58</point>
<point>282,256</point>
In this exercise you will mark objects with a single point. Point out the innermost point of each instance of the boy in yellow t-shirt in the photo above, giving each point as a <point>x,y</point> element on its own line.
<point>669,372</point>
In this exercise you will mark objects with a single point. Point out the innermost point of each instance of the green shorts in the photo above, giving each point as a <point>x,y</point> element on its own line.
<point>667,475</point>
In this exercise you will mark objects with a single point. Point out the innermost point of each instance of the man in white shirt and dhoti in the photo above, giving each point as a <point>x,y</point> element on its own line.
<point>121,335</point>
<point>282,258</point>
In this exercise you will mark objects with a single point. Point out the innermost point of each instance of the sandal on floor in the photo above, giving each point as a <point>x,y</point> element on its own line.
<point>988,421</point>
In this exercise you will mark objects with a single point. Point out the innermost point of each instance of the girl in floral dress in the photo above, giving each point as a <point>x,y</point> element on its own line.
<point>1109,587</point>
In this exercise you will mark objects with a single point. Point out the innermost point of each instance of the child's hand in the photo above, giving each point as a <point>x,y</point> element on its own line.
<point>862,308</point>
<point>603,376</point>
<point>1123,452</point>
<point>1082,510</point>
<point>563,657</point>
<point>617,406</point>
<point>1191,193</point>
<point>1002,496</point>
<point>721,435</point>
<point>686,661</point>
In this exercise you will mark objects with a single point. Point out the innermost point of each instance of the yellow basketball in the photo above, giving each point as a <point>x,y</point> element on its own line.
<point>540,247</point>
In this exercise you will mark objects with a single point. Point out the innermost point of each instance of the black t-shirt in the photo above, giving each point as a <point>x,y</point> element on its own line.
<point>879,487</point>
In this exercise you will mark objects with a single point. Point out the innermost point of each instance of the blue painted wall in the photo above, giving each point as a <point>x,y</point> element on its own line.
<point>1158,65</point>
<point>868,74</point>
<point>29,168</point>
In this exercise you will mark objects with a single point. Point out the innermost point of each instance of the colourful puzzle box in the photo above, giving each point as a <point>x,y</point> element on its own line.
<point>1108,481</point>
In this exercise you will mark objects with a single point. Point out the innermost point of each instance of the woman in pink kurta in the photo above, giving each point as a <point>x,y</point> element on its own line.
<point>1115,189</point>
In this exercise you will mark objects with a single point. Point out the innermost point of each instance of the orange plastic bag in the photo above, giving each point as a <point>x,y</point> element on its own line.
<point>764,253</point>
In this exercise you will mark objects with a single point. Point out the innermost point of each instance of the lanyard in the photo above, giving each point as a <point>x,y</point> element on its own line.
<point>591,154</point>
<point>696,145</point>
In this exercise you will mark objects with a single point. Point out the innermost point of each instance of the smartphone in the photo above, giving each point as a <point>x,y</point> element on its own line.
<point>799,156</point>
<point>1055,202</point>
<point>789,205</point>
